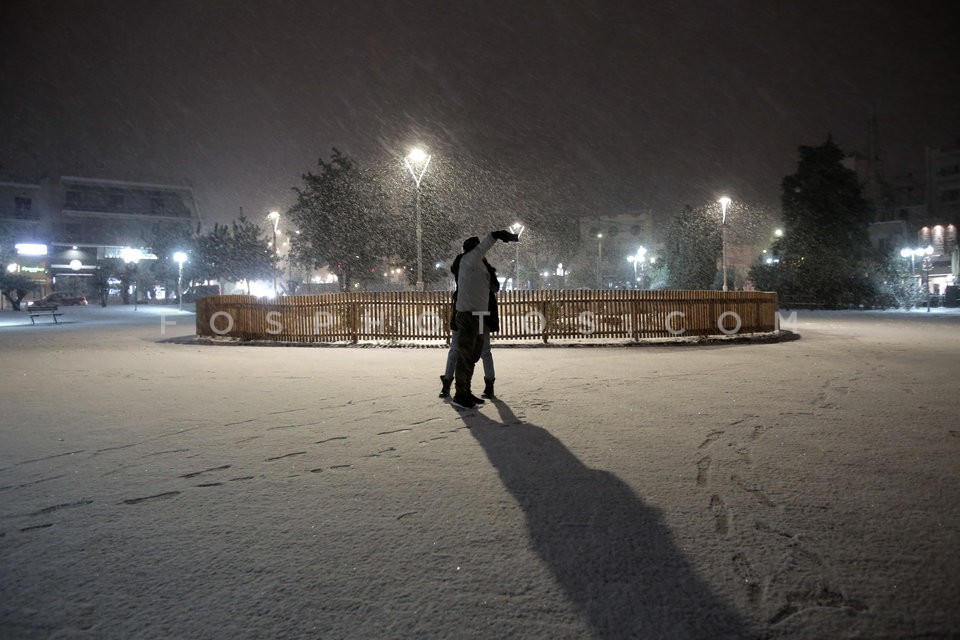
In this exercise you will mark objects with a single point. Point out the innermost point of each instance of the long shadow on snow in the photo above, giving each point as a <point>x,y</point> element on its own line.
<point>608,550</point>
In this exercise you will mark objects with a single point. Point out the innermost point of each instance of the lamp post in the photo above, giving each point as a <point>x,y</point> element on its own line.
<point>637,259</point>
<point>132,257</point>
<point>420,159</point>
<point>180,257</point>
<point>274,217</point>
<point>913,254</point>
<point>908,253</point>
<point>599,258</point>
<point>724,203</point>
<point>516,228</point>
<point>927,266</point>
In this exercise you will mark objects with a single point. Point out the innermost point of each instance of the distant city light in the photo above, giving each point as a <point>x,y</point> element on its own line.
<point>129,255</point>
<point>261,289</point>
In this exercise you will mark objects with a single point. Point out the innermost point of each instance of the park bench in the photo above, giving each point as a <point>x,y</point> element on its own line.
<point>37,310</point>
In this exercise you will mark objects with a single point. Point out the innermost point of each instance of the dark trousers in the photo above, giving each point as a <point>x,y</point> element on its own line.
<point>469,347</point>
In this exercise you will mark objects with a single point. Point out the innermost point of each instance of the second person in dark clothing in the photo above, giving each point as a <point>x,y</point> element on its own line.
<point>472,307</point>
<point>491,324</point>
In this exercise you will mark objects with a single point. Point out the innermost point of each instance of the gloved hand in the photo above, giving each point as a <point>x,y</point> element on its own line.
<point>505,236</point>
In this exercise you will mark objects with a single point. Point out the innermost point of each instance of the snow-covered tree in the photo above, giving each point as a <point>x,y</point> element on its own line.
<point>341,213</point>
<point>239,252</point>
<point>825,249</point>
<point>164,241</point>
<point>249,255</point>
<point>692,248</point>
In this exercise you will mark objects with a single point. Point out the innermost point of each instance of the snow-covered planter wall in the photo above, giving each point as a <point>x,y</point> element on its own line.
<point>524,315</point>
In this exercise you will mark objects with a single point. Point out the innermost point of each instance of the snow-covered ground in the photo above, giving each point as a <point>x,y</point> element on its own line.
<point>804,489</point>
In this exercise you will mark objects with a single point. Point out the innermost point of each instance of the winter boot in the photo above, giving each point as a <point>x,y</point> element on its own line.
<point>464,400</point>
<point>445,387</point>
<point>488,388</point>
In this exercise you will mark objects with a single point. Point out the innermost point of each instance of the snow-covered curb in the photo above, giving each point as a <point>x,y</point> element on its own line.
<point>763,337</point>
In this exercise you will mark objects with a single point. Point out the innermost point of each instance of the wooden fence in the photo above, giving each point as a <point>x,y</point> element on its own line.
<point>524,315</point>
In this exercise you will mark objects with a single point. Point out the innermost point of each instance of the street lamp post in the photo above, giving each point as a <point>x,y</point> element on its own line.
<point>180,257</point>
<point>724,203</point>
<point>908,253</point>
<point>926,266</point>
<point>599,258</point>
<point>637,259</point>
<point>132,257</point>
<point>516,228</point>
<point>913,254</point>
<point>274,217</point>
<point>418,157</point>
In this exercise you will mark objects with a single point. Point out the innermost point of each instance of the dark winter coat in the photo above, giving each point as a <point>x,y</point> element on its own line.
<point>491,322</point>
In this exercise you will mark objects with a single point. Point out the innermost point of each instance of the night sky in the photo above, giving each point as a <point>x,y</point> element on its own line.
<point>593,107</point>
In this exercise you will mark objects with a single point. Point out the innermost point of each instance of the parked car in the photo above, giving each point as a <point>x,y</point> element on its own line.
<point>201,291</point>
<point>61,298</point>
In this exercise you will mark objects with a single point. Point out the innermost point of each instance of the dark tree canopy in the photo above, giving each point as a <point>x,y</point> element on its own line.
<point>164,241</point>
<point>13,286</point>
<point>341,213</point>
<point>693,246</point>
<point>249,256</point>
<point>212,249</point>
<point>240,252</point>
<point>823,206</point>
<point>825,249</point>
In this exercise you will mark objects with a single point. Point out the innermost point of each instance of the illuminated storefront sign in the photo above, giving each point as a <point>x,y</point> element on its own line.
<point>31,249</point>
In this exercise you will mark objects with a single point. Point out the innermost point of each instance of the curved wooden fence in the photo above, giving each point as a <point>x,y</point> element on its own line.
<point>524,315</point>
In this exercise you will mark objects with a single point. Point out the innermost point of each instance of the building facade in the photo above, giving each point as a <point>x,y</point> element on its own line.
<point>65,226</point>
<point>624,244</point>
<point>921,211</point>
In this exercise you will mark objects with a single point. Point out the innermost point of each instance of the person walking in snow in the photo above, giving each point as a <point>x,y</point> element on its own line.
<point>491,324</point>
<point>472,309</point>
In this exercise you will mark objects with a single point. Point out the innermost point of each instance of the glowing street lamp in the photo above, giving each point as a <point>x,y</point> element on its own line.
<point>516,228</point>
<point>131,257</point>
<point>926,266</point>
<point>724,203</point>
<point>599,258</point>
<point>637,259</point>
<point>180,257</point>
<point>416,162</point>
<point>274,217</point>
<point>913,254</point>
